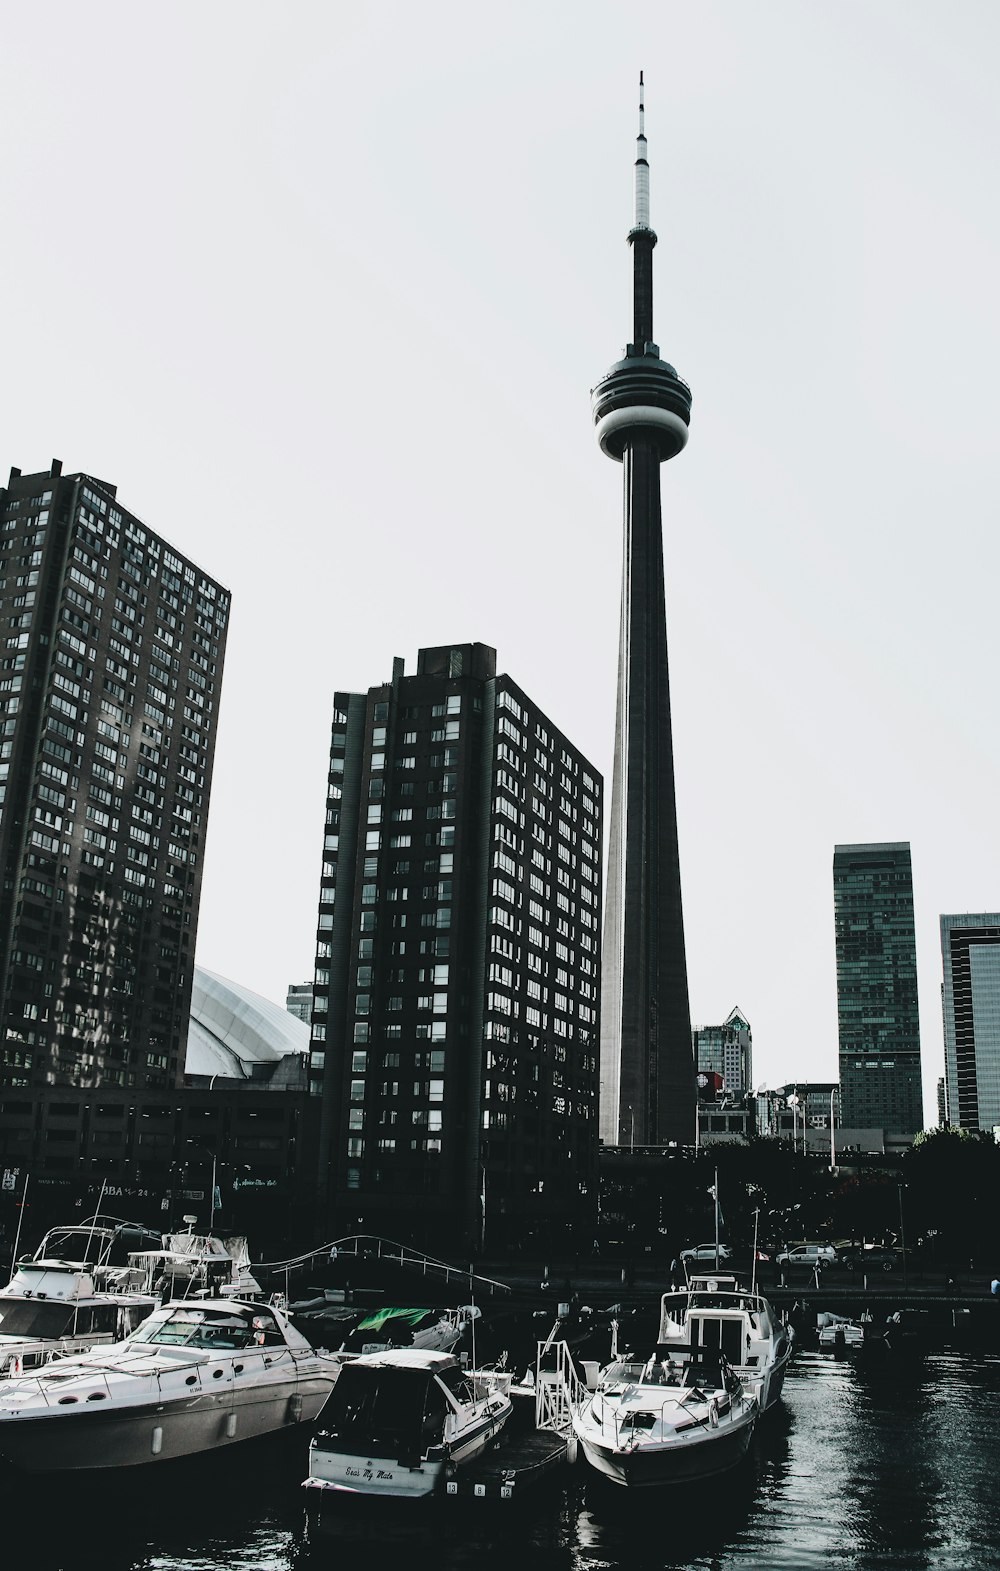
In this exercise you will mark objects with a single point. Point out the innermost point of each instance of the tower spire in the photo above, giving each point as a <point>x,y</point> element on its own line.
<point>640,209</point>
<point>642,239</point>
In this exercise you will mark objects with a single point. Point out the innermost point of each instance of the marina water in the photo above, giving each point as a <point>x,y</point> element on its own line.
<point>887,1460</point>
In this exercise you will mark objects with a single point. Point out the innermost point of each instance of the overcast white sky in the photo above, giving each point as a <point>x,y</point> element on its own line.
<point>324,288</point>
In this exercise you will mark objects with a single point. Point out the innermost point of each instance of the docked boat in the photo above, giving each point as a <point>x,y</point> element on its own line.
<point>354,1333</point>
<point>397,1422</point>
<point>188,1264</point>
<point>72,1294</point>
<point>195,1377</point>
<point>666,1423</point>
<point>839,1332</point>
<point>716,1314</point>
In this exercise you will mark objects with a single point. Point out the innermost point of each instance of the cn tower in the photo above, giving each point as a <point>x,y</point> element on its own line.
<point>642,410</point>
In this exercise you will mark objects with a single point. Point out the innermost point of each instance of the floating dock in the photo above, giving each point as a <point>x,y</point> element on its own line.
<point>514,1467</point>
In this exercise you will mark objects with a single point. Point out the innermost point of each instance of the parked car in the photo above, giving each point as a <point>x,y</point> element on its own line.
<point>807,1255</point>
<point>706,1252</point>
<point>871,1257</point>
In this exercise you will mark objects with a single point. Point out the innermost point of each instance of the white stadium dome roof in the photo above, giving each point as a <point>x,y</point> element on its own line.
<point>233,1029</point>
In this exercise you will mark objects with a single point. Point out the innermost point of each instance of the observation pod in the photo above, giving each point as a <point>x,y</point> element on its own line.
<point>642,394</point>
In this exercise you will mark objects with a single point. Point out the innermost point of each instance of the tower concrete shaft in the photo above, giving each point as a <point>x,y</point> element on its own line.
<point>641,413</point>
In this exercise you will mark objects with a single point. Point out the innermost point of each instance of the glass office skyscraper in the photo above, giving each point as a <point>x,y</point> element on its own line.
<point>879,1025</point>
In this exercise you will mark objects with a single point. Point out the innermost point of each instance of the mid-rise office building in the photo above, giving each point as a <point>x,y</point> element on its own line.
<point>726,1050</point>
<point>299,1000</point>
<point>970,954</point>
<point>113,645</point>
<point>456,1011</point>
<point>878,1015</point>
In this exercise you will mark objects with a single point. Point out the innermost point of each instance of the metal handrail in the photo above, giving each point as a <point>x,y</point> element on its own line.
<point>559,1391</point>
<point>385,1249</point>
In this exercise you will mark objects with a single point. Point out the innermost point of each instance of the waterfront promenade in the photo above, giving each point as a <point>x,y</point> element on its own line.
<point>639,1284</point>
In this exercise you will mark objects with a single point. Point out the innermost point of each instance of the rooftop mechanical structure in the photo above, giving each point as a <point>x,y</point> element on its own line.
<point>642,411</point>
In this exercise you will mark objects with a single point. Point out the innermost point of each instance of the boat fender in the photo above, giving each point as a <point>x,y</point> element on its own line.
<point>295,1409</point>
<point>713,1413</point>
<point>571,1450</point>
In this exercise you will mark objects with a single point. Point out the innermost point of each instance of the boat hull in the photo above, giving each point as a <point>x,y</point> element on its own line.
<point>97,1439</point>
<point>349,1472</point>
<point>648,1465</point>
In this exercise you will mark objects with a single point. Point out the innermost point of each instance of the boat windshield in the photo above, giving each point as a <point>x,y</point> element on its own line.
<point>385,1409</point>
<point>622,1373</point>
<point>23,1318</point>
<point>201,1328</point>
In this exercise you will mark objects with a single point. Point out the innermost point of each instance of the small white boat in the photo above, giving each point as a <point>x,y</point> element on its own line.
<point>195,1377</point>
<point>839,1332</point>
<point>648,1424</point>
<point>397,1422</point>
<point>717,1313</point>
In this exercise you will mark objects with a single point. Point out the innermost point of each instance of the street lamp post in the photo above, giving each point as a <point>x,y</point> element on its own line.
<point>833,1142</point>
<point>793,1103</point>
<point>211,1205</point>
<point>902,1233</point>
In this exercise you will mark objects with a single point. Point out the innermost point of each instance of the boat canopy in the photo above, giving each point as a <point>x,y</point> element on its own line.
<point>382,1317</point>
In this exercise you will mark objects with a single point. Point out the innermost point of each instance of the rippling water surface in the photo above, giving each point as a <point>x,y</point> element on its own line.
<point>891,1460</point>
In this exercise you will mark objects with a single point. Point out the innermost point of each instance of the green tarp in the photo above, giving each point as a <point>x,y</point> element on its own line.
<point>381,1317</point>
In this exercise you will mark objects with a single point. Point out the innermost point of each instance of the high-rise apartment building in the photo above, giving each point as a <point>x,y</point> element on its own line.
<point>726,1050</point>
<point>113,646</point>
<point>970,953</point>
<point>642,410</point>
<point>879,1024</point>
<point>456,1012</point>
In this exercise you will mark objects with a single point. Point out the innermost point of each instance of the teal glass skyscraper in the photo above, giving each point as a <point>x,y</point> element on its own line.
<point>879,1024</point>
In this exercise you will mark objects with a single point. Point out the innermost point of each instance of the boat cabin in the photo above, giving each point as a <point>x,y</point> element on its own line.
<point>396,1403</point>
<point>212,1327</point>
<point>716,1316</point>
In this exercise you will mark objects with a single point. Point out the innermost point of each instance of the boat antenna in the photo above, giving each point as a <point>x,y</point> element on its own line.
<point>472,1301</point>
<point>96,1216</point>
<point>756,1225</point>
<point>20,1220</point>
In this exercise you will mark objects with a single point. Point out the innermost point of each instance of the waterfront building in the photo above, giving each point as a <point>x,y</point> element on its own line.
<point>641,411</point>
<point>877,1007</point>
<point>113,653</point>
<point>728,1119</point>
<point>726,1050</point>
<point>152,1153</point>
<point>455,1021</point>
<point>970,954</point>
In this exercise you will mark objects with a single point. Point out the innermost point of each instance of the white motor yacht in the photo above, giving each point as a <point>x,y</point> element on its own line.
<point>70,1295</point>
<point>195,1377</point>
<point>716,1314</point>
<point>398,1421</point>
<point>654,1424</point>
